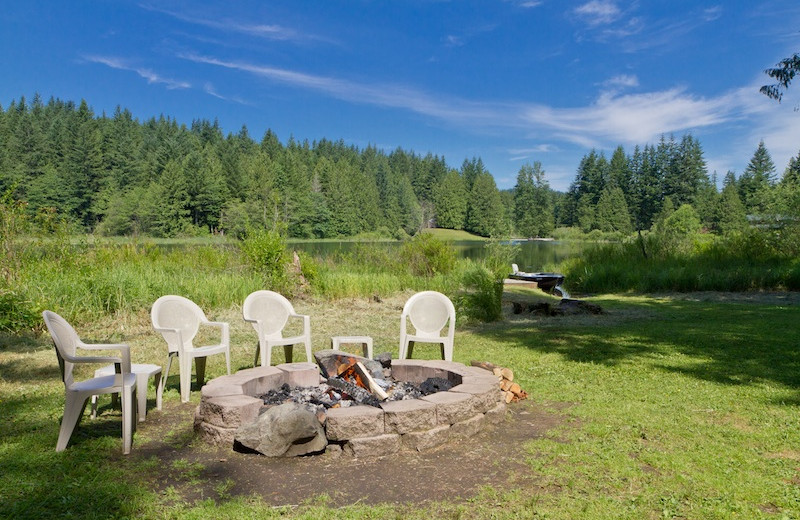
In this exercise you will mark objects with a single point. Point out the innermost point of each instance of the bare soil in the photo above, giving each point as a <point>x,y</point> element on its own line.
<point>454,471</point>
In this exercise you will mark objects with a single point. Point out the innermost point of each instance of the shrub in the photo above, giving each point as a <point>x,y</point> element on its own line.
<point>426,255</point>
<point>17,313</point>
<point>265,250</point>
<point>482,298</point>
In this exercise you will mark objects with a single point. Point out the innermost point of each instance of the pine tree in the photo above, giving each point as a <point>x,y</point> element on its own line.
<point>611,214</point>
<point>484,209</point>
<point>533,206</point>
<point>450,199</point>
<point>757,180</point>
<point>730,214</point>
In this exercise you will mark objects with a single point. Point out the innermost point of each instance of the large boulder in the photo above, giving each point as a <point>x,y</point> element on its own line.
<point>285,430</point>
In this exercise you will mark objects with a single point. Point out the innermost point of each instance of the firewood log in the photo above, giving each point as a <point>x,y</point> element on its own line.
<point>483,364</point>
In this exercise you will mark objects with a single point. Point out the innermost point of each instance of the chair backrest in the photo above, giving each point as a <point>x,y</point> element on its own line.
<point>429,312</point>
<point>514,268</point>
<point>66,342</point>
<point>269,307</point>
<point>177,312</point>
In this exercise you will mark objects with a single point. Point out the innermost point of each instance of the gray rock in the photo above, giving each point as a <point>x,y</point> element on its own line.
<point>284,431</point>
<point>385,359</point>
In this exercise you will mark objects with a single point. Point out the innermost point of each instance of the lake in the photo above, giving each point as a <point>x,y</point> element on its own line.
<point>532,255</point>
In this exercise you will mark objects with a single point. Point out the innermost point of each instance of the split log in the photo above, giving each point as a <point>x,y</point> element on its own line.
<point>507,373</point>
<point>484,365</point>
<point>505,385</point>
<point>373,386</point>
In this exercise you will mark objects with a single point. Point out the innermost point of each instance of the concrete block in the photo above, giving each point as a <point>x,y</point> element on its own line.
<point>300,374</point>
<point>409,416</point>
<point>468,428</point>
<point>452,407</point>
<point>230,411</point>
<point>425,440</point>
<point>377,446</point>
<point>354,421</point>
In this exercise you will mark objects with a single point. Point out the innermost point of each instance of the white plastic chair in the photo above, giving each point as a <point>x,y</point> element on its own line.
<point>178,319</point>
<point>77,393</point>
<point>269,312</point>
<point>429,312</point>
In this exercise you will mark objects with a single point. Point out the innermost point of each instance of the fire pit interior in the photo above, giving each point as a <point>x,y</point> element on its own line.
<point>388,413</point>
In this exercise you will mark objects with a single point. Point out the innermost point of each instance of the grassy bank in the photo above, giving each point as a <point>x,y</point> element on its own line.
<point>672,407</point>
<point>750,261</point>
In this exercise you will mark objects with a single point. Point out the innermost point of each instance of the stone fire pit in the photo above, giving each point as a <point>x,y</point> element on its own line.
<point>475,401</point>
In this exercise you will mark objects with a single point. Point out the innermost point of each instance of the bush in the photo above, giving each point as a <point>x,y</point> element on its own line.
<point>265,251</point>
<point>427,256</point>
<point>17,313</point>
<point>482,298</point>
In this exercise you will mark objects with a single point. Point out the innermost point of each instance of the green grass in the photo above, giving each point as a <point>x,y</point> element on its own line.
<point>453,234</point>
<point>674,407</point>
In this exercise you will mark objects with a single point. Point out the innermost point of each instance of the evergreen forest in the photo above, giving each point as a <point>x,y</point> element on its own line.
<point>115,175</point>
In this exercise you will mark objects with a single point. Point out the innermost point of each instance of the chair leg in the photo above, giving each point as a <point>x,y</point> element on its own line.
<point>94,407</point>
<point>409,349</point>
<point>258,351</point>
<point>74,404</point>
<point>287,352</point>
<point>186,377</point>
<point>200,365</point>
<point>162,382</point>
<point>157,384</point>
<point>308,350</point>
<point>128,405</point>
<point>228,360</point>
<point>141,395</point>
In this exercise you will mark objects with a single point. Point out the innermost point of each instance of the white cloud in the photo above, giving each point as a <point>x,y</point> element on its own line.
<point>622,80</point>
<point>712,13</point>
<point>598,12</point>
<point>268,31</point>
<point>453,41</point>
<point>149,75</point>
<point>610,120</point>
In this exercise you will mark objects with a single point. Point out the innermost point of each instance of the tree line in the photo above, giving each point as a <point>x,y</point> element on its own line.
<point>641,190</point>
<point>115,175</point>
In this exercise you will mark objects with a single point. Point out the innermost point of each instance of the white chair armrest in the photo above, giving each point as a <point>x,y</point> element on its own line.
<point>224,327</point>
<point>306,321</point>
<point>124,359</point>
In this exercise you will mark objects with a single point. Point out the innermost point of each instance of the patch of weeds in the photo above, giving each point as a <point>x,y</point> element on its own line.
<point>223,489</point>
<point>188,471</point>
<point>179,438</point>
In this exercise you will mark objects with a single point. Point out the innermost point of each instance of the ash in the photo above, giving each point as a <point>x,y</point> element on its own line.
<point>340,393</point>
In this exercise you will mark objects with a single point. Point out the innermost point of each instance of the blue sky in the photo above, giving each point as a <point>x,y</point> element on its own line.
<point>510,81</point>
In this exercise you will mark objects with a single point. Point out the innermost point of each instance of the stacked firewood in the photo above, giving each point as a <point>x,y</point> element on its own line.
<point>512,392</point>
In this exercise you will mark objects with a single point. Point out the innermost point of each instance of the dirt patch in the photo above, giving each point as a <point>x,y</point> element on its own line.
<point>454,471</point>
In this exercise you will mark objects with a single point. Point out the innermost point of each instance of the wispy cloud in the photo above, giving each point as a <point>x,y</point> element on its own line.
<point>526,4</point>
<point>712,13</point>
<point>209,89</point>
<point>598,12</point>
<point>611,119</point>
<point>147,74</point>
<point>268,31</point>
<point>621,80</point>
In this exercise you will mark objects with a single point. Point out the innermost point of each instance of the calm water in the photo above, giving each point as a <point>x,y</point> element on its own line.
<point>532,256</point>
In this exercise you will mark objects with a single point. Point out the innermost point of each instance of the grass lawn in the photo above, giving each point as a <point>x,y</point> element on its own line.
<point>452,234</point>
<point>682,406</point>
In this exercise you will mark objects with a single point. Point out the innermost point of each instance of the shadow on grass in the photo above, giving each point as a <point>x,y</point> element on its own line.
<point>81,482</point>
<point>727,343</point>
